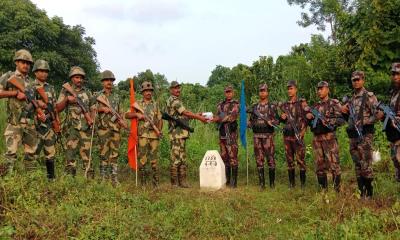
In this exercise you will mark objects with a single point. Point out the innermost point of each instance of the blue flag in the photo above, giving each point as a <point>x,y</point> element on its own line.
<point>243,116</point>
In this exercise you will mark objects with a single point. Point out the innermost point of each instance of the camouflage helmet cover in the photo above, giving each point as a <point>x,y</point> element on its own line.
<point>40,64</point>
<point>107,74</point>
<point>76,71</point>
<point>146,86</point>
<point>24,55</point>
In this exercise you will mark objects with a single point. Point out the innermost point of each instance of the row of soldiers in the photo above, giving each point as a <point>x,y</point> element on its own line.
<point>33,120</point>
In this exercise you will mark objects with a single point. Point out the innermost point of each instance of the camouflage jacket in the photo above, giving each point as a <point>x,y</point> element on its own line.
<point>106,120</point>
<point>267,111</point>
<point>228,112</point>
<point>395,100</point>
<point>175,109</point>
<point>18,111</point>
<point>51,96</point>
<point>151,110</point>
<point>331,111</point>
<point>297,111</point>
<point>368,115</point>
<point>74,115</point>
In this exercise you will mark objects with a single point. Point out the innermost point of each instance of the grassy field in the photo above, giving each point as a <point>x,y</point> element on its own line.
<point>76,208</point>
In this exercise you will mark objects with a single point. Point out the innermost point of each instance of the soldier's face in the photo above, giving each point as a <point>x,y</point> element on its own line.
<point>23,66</point>
<point>357,83</point>
<point>292,91</point>
<point>107,84</point>
<point>322,92</point>
<point>77,80</point>
<point>41,75</point>
<point>228,94</point>
<point>147,94</point>
<point>263,94</point>
<point>176,91</point>
<point>396,79</point>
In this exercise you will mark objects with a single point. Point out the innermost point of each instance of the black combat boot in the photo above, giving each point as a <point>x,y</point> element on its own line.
<point>228,175</point>
<point>174,175</point>
<point>368,187</point>
<point>336,182</point>
<point>70,170</point>
<point>50,169</point>
<point>272,177</point>
<point>234,177</point>
<point>361,186</point>
<point>261,178</point>
<point>103,170</point>
<point>303,178</point>
<point>182,175</point>
<point>292,178</point>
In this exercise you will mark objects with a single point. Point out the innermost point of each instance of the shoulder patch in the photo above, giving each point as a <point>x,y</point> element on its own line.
<point>370,94</point>
<point>335,101</point>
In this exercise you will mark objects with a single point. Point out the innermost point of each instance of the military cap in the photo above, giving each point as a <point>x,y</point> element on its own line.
<point>146,86</point>
<point>228,88</point>
<point>323,84</point>
<point>174,84</point>
<point>292,83</point>
<point>107,74</point>
<point>40,65</point>
<point>396,67</point>
<point>357,75</point>
<point>76,71</point>
<point>263,86</point>
<point>23,55</point>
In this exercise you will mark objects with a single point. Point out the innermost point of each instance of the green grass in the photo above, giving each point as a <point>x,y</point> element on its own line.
<point>75,208</point>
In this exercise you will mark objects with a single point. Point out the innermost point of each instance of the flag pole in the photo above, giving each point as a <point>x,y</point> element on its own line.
<point>136,177</point>
<point>247,166</point>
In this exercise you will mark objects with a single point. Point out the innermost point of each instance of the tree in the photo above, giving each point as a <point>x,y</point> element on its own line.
<point>322,13</point>
<point>23,25</point>
<point>220,75</point>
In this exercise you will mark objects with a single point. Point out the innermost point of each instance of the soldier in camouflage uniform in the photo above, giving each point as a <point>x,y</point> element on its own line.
<point>227,114</point>
<point>108,127</point>
<point>295,113</point>
<point>325,145</point>
<point>46,133</point>
<point>364,104</point>
<point>20,121</point>
<point>263,120</point>
<point>178,135</point>
<point>392,133</point>
<point>77,129</point>
<point>149,136</point>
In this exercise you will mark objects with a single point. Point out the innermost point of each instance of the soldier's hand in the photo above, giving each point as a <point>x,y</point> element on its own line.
<point>20,96</point>
<point>106,110</point>
<point>71,99</point>
<point>203,119</point>
<point>41,104</point>
<point>139,116</point>
<point>284,116</point>
<point>380,115</point>
<point>309,116</point>
<point>41,117</point>
<point>345,109</point>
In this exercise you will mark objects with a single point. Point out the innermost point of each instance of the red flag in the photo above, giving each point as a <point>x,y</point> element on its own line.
<point>133,135</point>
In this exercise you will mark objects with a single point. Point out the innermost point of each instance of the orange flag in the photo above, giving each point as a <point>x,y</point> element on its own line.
<point>133,135</point>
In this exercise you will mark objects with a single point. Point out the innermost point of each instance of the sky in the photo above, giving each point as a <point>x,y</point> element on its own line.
<point>184,40</point>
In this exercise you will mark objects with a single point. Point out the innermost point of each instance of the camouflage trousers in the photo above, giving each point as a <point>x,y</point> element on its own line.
<point>264,148</point>
<point>15,135</point>
<point>293,150</point>
<point>109,142</point>
<point>77,145</point>
<point>361,153</point>
<point>148,151</point>
<point>395,154</point>
<point>326,153</point>
<point>229,150</point>
<point>178,151</point>
<point>47,143</point>
<point>148,154</point>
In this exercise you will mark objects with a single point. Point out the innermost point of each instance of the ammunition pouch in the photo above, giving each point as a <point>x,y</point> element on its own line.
<point>392,135</point>
<point>232,127</point>
<point>321,129</point>
<point>366,129</point>
<point>262,128</point>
